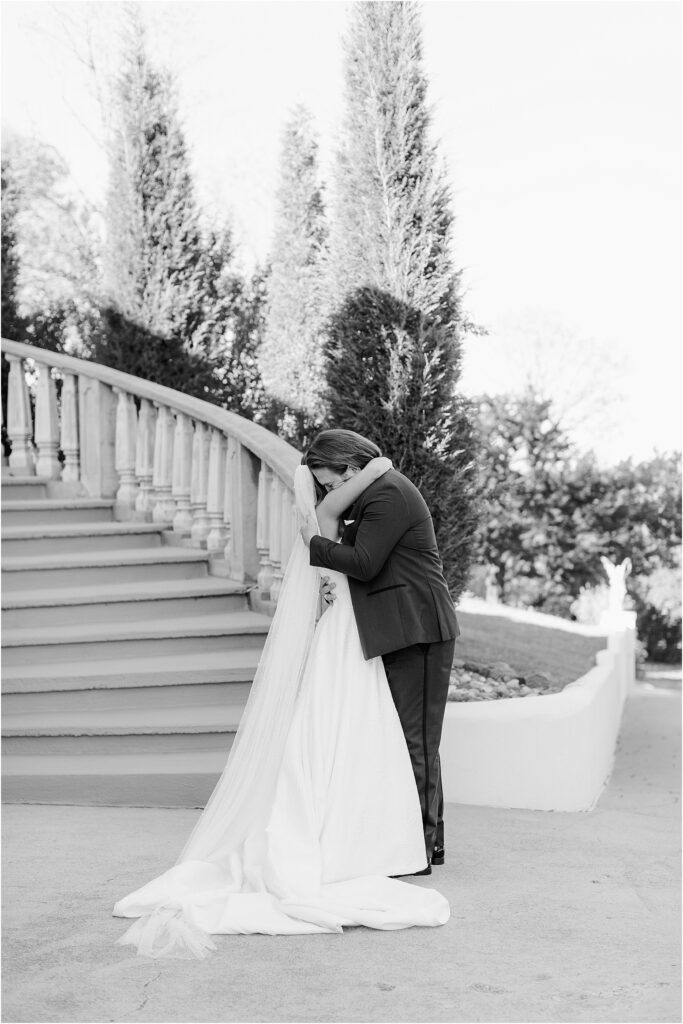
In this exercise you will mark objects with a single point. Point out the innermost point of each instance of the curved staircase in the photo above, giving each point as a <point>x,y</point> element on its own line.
<point>128,645</point>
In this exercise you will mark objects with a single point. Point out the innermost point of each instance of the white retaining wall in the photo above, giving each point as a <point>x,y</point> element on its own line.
<point>550,753</point>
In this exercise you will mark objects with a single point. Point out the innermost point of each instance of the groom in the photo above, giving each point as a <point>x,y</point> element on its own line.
<point>403,609</point>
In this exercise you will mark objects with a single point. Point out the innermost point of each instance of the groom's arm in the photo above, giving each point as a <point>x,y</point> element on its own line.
<point>385,519</point>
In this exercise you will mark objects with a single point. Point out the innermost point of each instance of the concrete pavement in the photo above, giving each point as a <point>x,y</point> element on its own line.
<point>555,917</point>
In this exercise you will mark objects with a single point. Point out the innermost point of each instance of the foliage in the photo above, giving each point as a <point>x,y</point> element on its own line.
<point>393,224</point>
<point>177,312</point>
<point>658,609</point>
<point>155,260</point>
<point>523,450</point>
<point>58,245</point>
<point>290,357</point>
<point>389,373</point>
<point>240,306</point>
<point>12,324</point>
<point>394,351</point>
<point>549,514</point>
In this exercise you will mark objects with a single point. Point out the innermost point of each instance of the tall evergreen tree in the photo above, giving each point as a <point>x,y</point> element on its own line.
<point>291,355</point>
<point>155,257</point>
<point>393,350</point>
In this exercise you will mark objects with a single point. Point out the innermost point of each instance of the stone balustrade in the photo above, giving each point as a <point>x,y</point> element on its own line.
<point>213,479</point>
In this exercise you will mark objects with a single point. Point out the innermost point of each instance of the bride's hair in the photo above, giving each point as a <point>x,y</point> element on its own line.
<point>339,449</point>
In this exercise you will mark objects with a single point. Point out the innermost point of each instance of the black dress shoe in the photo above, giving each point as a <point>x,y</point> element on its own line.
<point>409,874</point>
<point>439,855</point>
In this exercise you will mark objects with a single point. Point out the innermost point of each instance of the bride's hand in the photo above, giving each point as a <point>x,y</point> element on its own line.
<point>381,465</point>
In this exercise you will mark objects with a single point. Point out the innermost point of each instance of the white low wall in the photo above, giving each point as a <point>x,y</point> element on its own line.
<point>550,753</point>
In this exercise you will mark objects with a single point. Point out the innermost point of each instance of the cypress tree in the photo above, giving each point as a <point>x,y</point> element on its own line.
<point>155,261</point>
<point>393,350</point>
<point>291,355</point>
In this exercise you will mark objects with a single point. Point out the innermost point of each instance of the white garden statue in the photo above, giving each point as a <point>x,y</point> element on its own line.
<point>616,574</point>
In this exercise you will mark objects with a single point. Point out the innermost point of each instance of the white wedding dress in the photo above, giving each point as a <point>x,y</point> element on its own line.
<point>342,815</point>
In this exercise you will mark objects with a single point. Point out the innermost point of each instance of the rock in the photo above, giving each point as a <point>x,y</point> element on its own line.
<point>537,680</point>
<point>501,670</point>
<point>458,663</point>
<point>472,666</point>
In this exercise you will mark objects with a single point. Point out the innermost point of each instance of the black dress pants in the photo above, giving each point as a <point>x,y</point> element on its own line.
<point>418,679</point>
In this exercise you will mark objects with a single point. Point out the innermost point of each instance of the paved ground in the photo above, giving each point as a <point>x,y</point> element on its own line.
<point>555,917</point>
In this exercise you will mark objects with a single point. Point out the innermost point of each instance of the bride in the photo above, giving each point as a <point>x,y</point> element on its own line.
<point>317,806</point>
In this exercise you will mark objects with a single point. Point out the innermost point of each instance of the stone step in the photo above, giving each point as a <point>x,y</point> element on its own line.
<point>103,567</point>
<point>126,721</point>
<point>122,602</point>
<point>74,537</point>
<point>21,488</point>
<point>56,510</point>
<point>196,751</point>
<point>153,670</point>
<point>106,706</point>
<point>54,644</point>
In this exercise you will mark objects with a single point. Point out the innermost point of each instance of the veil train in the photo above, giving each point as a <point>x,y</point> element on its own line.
<point>241,799</point>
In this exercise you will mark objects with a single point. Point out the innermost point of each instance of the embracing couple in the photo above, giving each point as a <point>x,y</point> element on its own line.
<point>332,789</point>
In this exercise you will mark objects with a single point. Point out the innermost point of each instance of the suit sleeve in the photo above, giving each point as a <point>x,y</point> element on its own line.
<point>384,521</point>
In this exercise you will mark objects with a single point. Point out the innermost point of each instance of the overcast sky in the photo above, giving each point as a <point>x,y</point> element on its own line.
<point>560,122</point>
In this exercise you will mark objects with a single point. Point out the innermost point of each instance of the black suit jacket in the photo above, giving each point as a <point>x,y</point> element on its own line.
<point>389,553</point>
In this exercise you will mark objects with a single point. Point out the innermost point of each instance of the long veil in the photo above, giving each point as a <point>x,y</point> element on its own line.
<point>241,800</point>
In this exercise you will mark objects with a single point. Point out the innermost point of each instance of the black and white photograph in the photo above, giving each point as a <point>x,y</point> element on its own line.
<point>341,511</point>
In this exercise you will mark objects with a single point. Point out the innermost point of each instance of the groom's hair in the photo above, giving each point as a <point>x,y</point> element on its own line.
<point>338,449</point>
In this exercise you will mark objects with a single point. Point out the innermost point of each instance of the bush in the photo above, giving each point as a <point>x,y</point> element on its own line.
<point>658,611</point>
<point>550,514</point>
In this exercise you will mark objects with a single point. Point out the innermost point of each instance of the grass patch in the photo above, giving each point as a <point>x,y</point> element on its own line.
<point>525,647</point>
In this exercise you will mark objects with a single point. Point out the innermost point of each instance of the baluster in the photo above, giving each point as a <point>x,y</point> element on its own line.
<point>275,536</point>
<point>47,425</point>
<point>71,472</point>
<point>200,478</point>
<point>19,426</point>
<point>243,498</point>
<point>164,506</point>
<point>215,493</point>
<point>144,460</point>
<point>286,501</point>
<point>125,452</point>
<point>97,432</point>
<point>264,578</point>
<point>228,481</point>
<point>182,474</point>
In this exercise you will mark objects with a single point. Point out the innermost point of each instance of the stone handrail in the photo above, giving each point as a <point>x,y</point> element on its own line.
<point>212,478</point>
